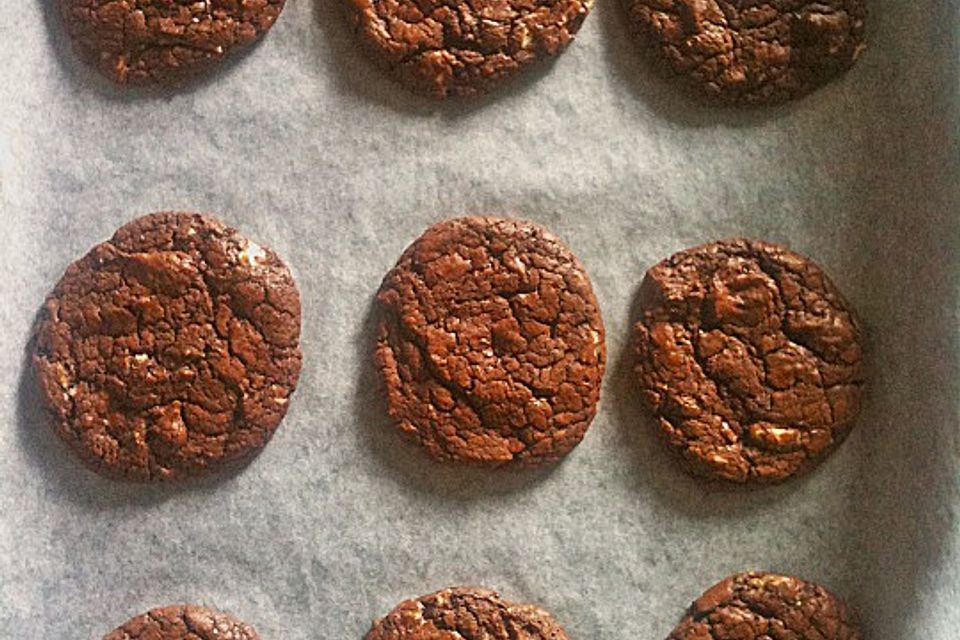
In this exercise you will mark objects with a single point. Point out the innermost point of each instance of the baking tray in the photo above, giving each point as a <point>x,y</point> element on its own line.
<point>305,146</point>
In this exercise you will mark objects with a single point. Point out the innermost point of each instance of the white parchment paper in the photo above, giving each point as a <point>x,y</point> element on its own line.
<point>304,146</point>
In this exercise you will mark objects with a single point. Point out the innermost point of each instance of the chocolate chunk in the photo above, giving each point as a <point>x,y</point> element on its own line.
<point>464,613</point>
<point>749,52</point>
<point>749,358</point>
<point>463,48</point>
<point>170,349</point>
<point>164,41</point>
<point>183,622</point>
<point>763,605</point>
<point>490,343</point>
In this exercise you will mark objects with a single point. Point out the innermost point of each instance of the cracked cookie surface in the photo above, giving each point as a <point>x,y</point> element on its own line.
<point>490,343</point>
<point>170,349</point>
<point>752,51</point>
<point>454,47</point>
<point>749,358</point>
<point>465,613</point>
<point>758,606</point>
<point>183,622</point>
<point>163,41</point>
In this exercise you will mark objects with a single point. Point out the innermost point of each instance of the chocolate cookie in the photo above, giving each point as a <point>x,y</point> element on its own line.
<point>490,343</point>
<point>183,622</point>
<point>144,41</point>
<point>764,605</point>
<point>463,48</point>
<point>170,349</point>
<point>464,613</point>
<point>750,52</point>
<point>750,359</point>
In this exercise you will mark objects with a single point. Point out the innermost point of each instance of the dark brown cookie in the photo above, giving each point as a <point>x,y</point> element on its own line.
<point>750,359</point>
<point>169,349</point>
<point>183,622</point>
<point>463,48</point>
<point>754,606</point>
<point>465,613</point>
<point>752,51</point>
<point>145,41</point>
<point>490,343</point>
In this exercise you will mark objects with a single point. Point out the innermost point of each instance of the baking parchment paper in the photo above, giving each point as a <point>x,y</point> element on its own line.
<point>304,146</point>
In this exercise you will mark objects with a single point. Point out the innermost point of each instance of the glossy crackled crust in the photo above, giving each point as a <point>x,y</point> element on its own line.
<point>758,606</point>
<point>145,41</point>
<point>752,51</point>
<point>452,47</point>
<point>463,613</point>
<point>749,358</point>
<point>169,349</point>
<point>490,343</point>
<point>183,622</point>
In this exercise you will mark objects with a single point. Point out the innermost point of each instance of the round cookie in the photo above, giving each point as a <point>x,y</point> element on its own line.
<point>764,605</point>
<point>463,48</point>
<point>465,613</point>
<point>750,52</point>
<point>490,343</point>
<point>183,622</point>
<point>170,349</point>
<point>749,358</point>
<point>146,41</point>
